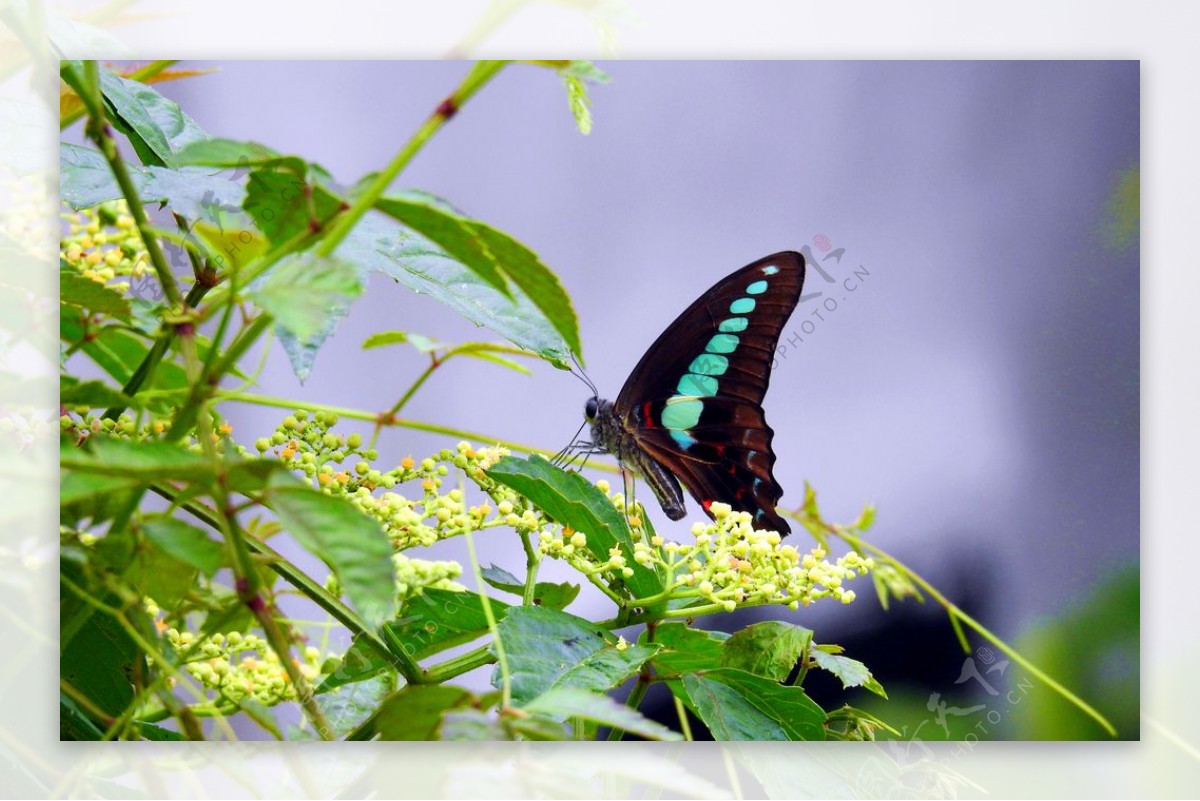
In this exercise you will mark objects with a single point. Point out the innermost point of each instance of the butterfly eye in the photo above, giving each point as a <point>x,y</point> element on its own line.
<point>589,411</point>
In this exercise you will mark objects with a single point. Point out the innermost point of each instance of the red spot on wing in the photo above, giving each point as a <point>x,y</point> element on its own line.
<point>707,505</point>
<point>647,417</point>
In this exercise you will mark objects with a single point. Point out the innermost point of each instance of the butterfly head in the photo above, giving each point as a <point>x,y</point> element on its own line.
<point>592,408</point>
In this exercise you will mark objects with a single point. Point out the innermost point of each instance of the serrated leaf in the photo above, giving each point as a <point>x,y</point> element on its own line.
<point>303,292</point>
<point>416,712</point>
<point>850,672</point>
<point>84,293</point>
<point>157,127</point>
<point>770,648</point>
<point>186,543</point>
<point>736,705</point>
<point>493,255</point>
<point>686,650</point>
<point>384,246</point>
<point>85,181</point>
<point>303,353</point>
<point>350,543</point>
<point>551,596</point>
<point>547,648</point>
<point>562,703</point>
<point>570,499</point>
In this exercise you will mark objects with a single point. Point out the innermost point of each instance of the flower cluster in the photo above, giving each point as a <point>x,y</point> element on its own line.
<point>103,244</point>
<point>733,563</point>
<point>340,465</point>
<point>414,576</point>
<point>239,666</point>
<point>730,563</point>
<point>82,422</point>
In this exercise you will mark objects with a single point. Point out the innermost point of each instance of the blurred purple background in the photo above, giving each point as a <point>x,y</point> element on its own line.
<point>980,384</point>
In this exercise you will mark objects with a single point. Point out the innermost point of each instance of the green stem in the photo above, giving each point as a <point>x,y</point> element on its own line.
<point>374,417</point>
<point>456,666</point>
<point>101,134</point>
<point>300,580</point>
<point>156,352</point>
<point>490,615</point>
<point>533,560</point>
<point>480,74</point>
<point>955,612</point>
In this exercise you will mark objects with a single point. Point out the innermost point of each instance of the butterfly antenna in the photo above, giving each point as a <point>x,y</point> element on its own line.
<point>579,373</point>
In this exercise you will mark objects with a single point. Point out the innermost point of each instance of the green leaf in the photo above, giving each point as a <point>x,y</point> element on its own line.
<point>303,292</point>
<point>570,499</point>
<point>551,596</point>
<point>81,488</point>
<point>146,461</point>
<point>92,394</point>
<point>349,707</point>
<point>547,648</point>
<point>562,703</point>
<point>350,543</point>
<point>157,127</point>
<point>99,660</point>
<point>685,650</point>
<point>118,352</point>
<point>491,254</point>
<point>386,338</point>
<point>284,206</point>
<point>148,731</point>
<point>438,619</point>
<point>736,705</point>
<point>234,154</point>
<point>85,180</point>
<point>770,648</point>
<point>473,725</point>
<point>186,543</point>
<point>159,575</point>
<point>83,293</point>
<point>851,672</point>
<point>416,712</point>
<point>430,622</point>
<point>383,246</point>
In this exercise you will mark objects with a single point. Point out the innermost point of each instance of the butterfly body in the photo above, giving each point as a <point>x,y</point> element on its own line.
<point>691,411</point>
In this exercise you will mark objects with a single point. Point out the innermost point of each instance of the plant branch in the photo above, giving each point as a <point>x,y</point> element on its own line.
<point>480,74</point>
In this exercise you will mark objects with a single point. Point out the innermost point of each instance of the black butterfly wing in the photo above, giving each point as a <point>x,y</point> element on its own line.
<point>694,401</point>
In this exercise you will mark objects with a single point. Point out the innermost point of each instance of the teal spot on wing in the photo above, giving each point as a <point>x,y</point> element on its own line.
<point>700,386</point>
<point>709,364</point>
<point>681,413</point>
<point>742,306</point>
<point>771,270</point>
<point>757,288</point>
<point>684,439</point>
<point>722,343</point>
<point>733,325</point>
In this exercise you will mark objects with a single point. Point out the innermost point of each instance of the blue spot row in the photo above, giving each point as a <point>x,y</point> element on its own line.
<point>683,410</point>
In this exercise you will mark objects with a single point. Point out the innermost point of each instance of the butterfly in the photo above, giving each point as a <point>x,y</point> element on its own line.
<point>691,410</point>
